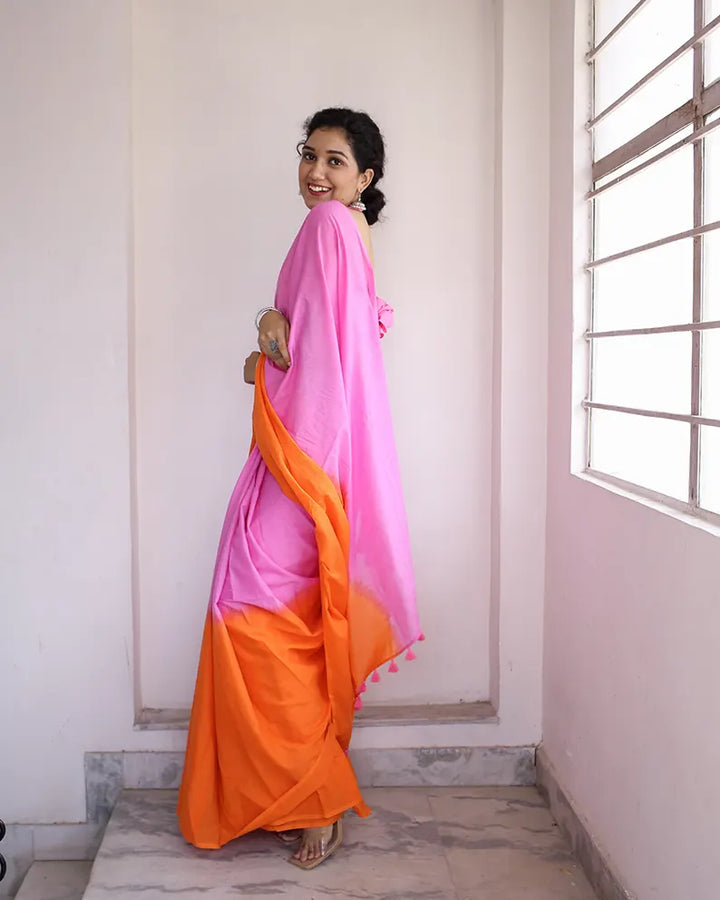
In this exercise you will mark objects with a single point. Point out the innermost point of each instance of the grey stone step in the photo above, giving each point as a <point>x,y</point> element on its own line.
<point>55,880</point>
<point>457,843</point>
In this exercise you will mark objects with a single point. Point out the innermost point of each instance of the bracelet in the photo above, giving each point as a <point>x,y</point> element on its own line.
<point>261,313</point>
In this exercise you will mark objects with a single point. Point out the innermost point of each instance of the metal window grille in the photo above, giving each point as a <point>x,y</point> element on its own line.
<point>686,128</point>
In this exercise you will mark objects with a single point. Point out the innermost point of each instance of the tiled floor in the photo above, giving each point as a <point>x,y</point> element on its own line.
<point>61,880</point>
<point>420,844</point>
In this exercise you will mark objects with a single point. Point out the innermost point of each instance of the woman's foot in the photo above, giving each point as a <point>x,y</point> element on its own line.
<point>317,845</point>
<point>314,843</point>
<point>289,837</point>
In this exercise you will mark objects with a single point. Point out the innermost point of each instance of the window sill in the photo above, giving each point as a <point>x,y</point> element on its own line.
<point>702,519</point>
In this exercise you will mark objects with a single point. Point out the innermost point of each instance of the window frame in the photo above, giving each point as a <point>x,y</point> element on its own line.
<point>693,113</point>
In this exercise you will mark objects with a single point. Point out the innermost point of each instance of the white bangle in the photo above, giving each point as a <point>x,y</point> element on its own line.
<point>261,313</point>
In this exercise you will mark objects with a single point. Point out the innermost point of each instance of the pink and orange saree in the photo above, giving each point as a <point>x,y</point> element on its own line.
<point>313,586</point>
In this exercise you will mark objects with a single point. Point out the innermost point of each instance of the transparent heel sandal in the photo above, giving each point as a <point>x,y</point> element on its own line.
<point>334,842</point>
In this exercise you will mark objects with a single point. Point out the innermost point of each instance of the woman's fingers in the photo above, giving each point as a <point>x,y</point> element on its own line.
<point>282,349</point>
<point>272,348</point>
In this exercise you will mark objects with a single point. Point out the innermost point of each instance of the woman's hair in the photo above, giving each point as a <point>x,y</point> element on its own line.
<point>367,146</point>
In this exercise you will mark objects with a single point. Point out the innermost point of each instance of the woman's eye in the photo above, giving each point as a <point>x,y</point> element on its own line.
<point>336,160</point>
<point>308,156</point>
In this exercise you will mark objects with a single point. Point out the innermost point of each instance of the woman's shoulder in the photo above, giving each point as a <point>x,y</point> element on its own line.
<point>330,211</point>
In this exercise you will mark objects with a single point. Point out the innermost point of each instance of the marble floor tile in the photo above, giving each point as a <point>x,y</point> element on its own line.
<point>396,854</point>
<point>502,843</point>
<point>419,844</point>
<point>64,880</point>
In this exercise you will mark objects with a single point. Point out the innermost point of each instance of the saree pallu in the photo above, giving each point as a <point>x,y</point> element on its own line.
<point>313,586</point>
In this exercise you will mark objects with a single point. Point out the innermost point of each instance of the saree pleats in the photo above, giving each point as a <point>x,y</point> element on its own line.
<point>273,709</point>
<point>262,752</point>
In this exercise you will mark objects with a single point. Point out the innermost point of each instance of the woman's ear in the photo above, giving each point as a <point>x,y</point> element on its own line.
<point>367,177</point>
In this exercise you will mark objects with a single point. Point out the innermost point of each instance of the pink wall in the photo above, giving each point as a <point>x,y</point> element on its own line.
<point>632,613</point>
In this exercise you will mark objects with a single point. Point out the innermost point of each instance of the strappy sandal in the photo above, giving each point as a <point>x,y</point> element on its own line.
<point>334,843</point>
<point>292,836</point>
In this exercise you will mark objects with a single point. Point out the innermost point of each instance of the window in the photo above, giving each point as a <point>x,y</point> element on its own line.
<point>653,401</point>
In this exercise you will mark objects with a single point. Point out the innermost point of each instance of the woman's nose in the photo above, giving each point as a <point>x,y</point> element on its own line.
<point>317,170</point>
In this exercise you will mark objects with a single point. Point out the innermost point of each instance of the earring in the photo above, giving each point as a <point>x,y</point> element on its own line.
<point>358,204</point>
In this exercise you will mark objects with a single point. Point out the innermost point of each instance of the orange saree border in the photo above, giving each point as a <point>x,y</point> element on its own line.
<point>304,481</point>
<point>243,771</point>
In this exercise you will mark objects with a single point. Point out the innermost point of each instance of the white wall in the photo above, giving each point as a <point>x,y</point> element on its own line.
<point>67,286</point>
<point>66,638</point>
<point>520,362</point>
<point>632,609</point>
<point>64,532</point>
<point>221,90</point>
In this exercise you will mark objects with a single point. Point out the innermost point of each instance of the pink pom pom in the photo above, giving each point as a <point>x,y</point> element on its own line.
<point>410,656</point>
<point>393,667</point>
<point>375,678</point>
<point>422,637</point>
<point>362,688</point>
<point>358,704</point>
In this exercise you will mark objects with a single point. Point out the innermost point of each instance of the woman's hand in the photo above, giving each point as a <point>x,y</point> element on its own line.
<point>250,366</point>
<point>275,327</point>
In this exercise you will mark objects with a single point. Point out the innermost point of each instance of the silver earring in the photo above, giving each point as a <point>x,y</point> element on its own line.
<point>358,204</point>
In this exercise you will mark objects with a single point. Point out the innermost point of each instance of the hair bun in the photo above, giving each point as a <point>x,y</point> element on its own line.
<point>374,201</point>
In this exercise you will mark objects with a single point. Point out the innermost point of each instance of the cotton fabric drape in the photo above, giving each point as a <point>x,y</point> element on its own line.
<point>313,586</point>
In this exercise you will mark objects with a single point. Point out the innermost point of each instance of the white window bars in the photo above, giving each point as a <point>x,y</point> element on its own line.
<point>681,465</point>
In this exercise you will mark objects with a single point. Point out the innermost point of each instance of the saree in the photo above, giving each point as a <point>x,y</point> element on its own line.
<point>313,587</point>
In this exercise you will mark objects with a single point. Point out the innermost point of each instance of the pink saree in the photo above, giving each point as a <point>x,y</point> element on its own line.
<point>313,587</point>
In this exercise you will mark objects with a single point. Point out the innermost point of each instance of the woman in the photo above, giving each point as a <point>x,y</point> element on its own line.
<point>313,586</point>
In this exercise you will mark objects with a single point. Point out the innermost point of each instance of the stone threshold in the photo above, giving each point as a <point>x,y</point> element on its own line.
<point>475,712</point>
<point>109,773</point>
<point>106,774</point>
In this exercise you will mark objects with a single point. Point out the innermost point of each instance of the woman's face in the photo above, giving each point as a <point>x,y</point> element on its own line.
<point>328,170</point>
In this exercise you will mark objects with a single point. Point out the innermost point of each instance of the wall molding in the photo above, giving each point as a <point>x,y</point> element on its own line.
<point>476,712</point>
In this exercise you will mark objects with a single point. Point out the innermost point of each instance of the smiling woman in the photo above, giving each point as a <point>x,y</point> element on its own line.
<point>313,586</point>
